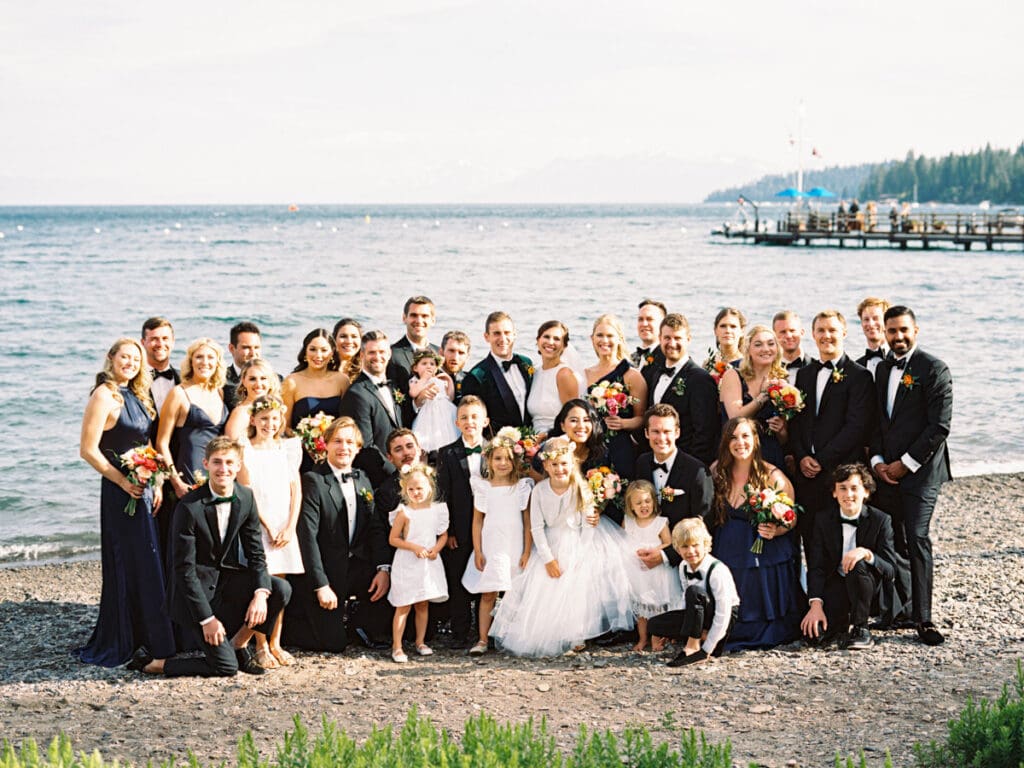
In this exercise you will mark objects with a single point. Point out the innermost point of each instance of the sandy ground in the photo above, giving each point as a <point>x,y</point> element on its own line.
<point>792,706</point>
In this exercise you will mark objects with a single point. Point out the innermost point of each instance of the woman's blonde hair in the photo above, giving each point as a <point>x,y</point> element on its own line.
<point>621,350</point>
<point>746,368</point>
<point>139,385</point>
<point>219,375</point>
<point>241,393</point>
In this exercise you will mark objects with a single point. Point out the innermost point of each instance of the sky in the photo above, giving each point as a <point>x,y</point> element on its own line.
<point>110,101</point>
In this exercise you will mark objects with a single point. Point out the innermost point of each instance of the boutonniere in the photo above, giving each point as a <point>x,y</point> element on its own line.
<point>649,360</point>
<point>909,380</point>
<point>668,494</point>
<point>838,375</point>
<point>200,479</point>
<point>366,494</point>
<point>399,397</point>
<point>679,388</point>
<point>529,370</point>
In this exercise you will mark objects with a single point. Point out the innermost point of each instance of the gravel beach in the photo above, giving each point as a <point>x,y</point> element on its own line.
<point>789,706</point>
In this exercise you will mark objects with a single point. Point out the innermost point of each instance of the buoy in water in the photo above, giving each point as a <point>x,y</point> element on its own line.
<point>366,218</point>
<point>293,208</point>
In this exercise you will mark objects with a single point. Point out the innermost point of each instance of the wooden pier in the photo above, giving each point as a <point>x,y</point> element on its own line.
<point>922,230</point>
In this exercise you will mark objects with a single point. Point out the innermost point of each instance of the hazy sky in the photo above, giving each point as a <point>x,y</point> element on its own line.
<point>227,101</point>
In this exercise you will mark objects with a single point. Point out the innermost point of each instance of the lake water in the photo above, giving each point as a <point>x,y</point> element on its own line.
<point>74,279</point>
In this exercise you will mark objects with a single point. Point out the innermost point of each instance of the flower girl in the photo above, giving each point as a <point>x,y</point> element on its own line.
<point>419,530</point>
<point>271,469</point>
<point>501,541</point>
<point>577,587</point>
<point>434,425</point>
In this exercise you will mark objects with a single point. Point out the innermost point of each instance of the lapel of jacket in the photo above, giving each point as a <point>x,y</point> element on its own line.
<point>501,384</point>
<point>334,492</point>
<point>360,510</point>
<point>231,533</point>
<point>372,391</point>
<point>525,368</point>
<point>841,363</point>
<point>901,390</point>
<point>210,512</point>
<point>882,386</point>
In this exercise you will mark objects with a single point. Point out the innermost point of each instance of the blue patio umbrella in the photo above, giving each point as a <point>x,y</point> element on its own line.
<point>789,192</point>
<point>820,192</point>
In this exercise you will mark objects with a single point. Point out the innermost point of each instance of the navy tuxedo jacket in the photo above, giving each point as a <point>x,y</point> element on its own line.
<point>487,381</point>
<point>842,426</point>
<point>688,475</point>
<point>920,420</point>
<point>200,556</point>
<point>825,552</point>
<point>699,421</point>
<point>362,403</point>
<point>322,531</point>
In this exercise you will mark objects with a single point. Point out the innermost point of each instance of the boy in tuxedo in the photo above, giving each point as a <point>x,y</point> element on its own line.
<point>850,555</point>
<point>345,551</point>
<point>710,600</point>
<point>502,379</point>
<point>220,585</point>
<point>457,462</point>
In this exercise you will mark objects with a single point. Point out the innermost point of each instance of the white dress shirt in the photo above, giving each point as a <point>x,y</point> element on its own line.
<point>386,396</point>
<point>516,382</point>
<point>664,379</point>
<point>722,588</point>
<point>348,493</point>
<point>895,377</point>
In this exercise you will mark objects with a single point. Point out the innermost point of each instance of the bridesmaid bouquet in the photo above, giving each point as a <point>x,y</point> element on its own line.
<point>311,431</point>
<point>608,398</point>
<point>715,365</point>
<point>143,466</point>
<point>606,487</point>
<point>787,400</point>
<point>768,505</point>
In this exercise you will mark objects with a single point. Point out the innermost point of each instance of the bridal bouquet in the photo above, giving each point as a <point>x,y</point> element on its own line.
<point>786,399</point>
<point>143,466</point>
<point>768,505</point>
<point>311,431</point>
<point>610,397</point>
<point>606,487</point>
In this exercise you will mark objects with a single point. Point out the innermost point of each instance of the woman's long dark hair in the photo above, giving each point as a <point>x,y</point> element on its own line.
<point>760,475</point>
<point>595,443</point>
<point>332,364</point>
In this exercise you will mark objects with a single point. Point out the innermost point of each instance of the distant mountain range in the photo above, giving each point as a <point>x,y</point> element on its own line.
<point>844,181</point>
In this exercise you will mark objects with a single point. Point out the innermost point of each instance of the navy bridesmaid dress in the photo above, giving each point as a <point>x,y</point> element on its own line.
<point>132,596</point>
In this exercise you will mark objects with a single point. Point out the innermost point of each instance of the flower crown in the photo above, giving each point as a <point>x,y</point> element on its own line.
<point>554,451</point>
<point>507,437</point>
<point>426,469</point>
<point>267,404</point>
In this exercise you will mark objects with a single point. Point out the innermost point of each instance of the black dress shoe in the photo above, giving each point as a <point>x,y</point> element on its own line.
<point>683,660</point>
<point>140,659</point>
<point>369,642</point>
<point>247,662</point>
<point>929,635</point>
<point>859,638</point>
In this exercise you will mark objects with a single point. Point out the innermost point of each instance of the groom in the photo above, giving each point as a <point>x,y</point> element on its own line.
<point>501,380</point>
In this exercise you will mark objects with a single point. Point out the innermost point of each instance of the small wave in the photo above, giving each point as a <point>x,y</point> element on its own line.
<point>986,467</point>
<point>45,552</point>
<point>233,242</point>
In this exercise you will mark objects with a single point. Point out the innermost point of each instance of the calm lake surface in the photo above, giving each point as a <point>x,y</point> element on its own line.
<point>74,279</point>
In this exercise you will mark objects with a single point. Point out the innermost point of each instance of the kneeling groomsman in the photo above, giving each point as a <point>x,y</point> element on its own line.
<point>220,586</point>
<point>850,555</point>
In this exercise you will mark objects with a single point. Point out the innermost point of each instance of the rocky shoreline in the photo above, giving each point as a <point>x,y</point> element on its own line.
<point>789,706</point>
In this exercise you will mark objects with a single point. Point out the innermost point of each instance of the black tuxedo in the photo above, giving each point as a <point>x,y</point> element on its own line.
<point>835,435</point>
<point>847,599</point>
<point>863,359</point>
<point>453,486</point>
<point>699,421</point>
<point>918,426</point>
<point>362,403</point>
<point>218,578</point>
<point>799,364</point>
<point>487,381</point>
<point>165,513</point>
<point>330,559</point>
<point>688,475</point>
<point>457,379</point>
<point>400,371</point>
<point>644,357</point>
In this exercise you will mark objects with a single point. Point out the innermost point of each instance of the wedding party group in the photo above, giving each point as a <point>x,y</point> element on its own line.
<point>530,505</point>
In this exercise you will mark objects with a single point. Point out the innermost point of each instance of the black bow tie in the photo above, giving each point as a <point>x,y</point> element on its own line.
<point>167,373</point>
<point>670,372</point>
<point>873,353</point>
<point>469,451</point>
<point>847,521</point>
<point>798,363</point>
<point>382,384</point>
<point>641,352</point>
<point>221,499</point>
<point>693,576</point>
<point>345,477</point>
<point>662,467</point>
<point>506,364</point>
<point>829,364</point>
<point>901,363</point>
